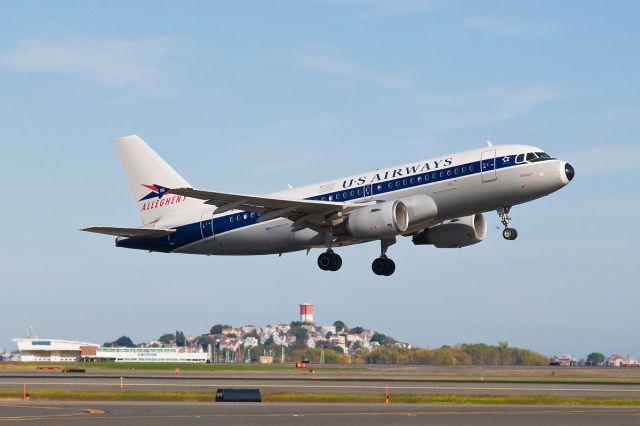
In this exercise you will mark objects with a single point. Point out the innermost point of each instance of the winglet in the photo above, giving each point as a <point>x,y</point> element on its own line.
<point>489,143</point>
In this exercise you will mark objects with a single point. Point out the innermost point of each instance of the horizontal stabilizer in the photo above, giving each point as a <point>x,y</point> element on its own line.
<point>130,232</point>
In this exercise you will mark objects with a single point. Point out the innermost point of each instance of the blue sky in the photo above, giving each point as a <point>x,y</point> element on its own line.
<point>248,97</point>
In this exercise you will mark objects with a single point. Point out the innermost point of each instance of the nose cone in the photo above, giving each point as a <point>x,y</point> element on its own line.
<point>569,171</point>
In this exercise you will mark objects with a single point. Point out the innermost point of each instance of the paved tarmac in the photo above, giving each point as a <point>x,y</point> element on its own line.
<point>311,384</point>
<point>157,414</point>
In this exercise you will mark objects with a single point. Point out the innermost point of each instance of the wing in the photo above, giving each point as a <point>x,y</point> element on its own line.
<point>304,213</point>
<point>130,232</point>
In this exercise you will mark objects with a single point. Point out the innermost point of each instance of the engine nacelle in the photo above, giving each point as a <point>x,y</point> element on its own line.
<point>455,233</point>
<point>421,209</point>
<point>384,220</point>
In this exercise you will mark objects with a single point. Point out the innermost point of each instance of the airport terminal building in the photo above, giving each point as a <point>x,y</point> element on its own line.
<point>56,350</point>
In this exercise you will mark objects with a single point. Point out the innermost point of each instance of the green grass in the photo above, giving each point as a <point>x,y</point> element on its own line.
<point>169,366</point>
<point>450,399</point>
<point>135,395</point>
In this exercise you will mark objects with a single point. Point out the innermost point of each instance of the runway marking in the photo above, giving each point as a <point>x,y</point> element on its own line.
<point>493,412</point>
<point>79,412</point>
<point>294,386</point>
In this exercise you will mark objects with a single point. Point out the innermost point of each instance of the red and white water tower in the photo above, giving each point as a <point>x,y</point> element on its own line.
<point>306,313</point>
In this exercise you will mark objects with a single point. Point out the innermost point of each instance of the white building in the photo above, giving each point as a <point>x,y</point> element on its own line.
<point>51,350</point>
<point>56,350</point>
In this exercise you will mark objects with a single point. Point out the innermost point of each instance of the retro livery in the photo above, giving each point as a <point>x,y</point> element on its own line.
<point>439,201</point>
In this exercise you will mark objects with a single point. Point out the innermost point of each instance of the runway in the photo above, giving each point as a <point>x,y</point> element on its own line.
<point>310,384</point>
<point>153,413</point>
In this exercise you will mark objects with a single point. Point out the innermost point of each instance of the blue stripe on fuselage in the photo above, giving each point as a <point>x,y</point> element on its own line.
<point>190,233</point>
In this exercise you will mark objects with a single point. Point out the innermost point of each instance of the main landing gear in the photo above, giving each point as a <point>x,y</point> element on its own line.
<point>383,265</point>
<point>507,233</point>
<point>329,261</point>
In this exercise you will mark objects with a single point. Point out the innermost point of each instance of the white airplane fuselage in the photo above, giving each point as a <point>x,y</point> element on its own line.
<point>461,184</point>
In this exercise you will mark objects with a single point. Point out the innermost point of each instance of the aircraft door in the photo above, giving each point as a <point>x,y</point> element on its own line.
<point>206,224</point>
<point>368,192</point>
<point>488,166</point>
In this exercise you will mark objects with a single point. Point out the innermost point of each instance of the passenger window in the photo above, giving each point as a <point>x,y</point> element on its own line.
<point>464,169</point>
<point>359,191</point>
<point>471,167</point>
<point>253,215</point>
<point>231,219</point>
<point>434,176</point>
<point>448,172</point>
<point>344,194</point>
<point>455,171</point>
<point>404,182</point>
<point>441,174</point>
<point>245,216</point>
<point>397,184</point>
<point>337,196</point>
<point>379,187</point>
<point>352,193</point>
<point>426,177</point>
<point>419,179</point>
<point>330,197</point>
<point>412,181</point>
<point>390,185</point>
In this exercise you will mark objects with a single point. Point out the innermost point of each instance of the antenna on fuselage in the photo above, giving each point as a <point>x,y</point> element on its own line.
<point>489,143</point>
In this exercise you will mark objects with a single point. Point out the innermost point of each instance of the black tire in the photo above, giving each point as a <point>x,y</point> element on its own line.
<point>390,267</point>
<point>336,262</point>
<point>324,261</point>
<point>510,234</point>
<point>378,266</point>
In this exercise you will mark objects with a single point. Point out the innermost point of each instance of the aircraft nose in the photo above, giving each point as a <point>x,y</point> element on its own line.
<point>569,171</point>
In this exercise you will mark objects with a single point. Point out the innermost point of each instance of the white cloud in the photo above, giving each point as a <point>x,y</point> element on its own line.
<point>488,106</point>
<point>112,62</point>
<point>503,27</point>
<point>333,65</point>
<point>386,7</point>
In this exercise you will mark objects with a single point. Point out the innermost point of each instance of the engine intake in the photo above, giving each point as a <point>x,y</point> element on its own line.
<point>384,220</point>
<point>455,233</point>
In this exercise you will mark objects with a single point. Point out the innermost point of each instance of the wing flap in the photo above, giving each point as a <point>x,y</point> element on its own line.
<point>130,232</point>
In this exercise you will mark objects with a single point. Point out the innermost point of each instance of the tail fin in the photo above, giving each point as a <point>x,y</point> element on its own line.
<point>150,178</point>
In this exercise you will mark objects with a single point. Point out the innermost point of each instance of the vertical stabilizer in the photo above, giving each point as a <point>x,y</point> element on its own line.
<point>150,178</point>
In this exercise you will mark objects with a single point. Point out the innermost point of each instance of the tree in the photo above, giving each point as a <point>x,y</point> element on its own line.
<point>167,339</point>
<point>121,342</point>
<point>356,330</point>
<point>340,326</point>
<point>218,328</point>
<point>204,341</point>
<point>181,341</point>
<point>595,358</point>
<point>380,338</point>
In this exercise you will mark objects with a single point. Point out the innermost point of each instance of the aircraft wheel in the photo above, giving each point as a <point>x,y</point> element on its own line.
<point>510,234</point>
<point>324,261</point>
<point>383,266</point>
<point>336,262</point>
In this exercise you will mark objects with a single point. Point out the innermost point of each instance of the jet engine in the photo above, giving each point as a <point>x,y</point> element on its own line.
<point>420,208</point>
<point>455,233</point>
<point>380,221</point>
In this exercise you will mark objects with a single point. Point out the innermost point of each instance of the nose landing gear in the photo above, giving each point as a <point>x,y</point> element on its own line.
<point>383,265</point>
<point>508,233</point>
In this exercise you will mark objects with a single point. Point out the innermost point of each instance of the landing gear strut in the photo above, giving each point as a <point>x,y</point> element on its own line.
<point>507,233</point>
<point>383,265</point>
<point>329,261</point>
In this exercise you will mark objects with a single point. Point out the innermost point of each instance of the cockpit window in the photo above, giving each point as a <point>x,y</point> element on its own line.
<point>538,156</point>
<point>520,158</point>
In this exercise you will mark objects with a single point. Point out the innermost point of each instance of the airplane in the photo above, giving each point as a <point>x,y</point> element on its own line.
<point>439,201</point>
